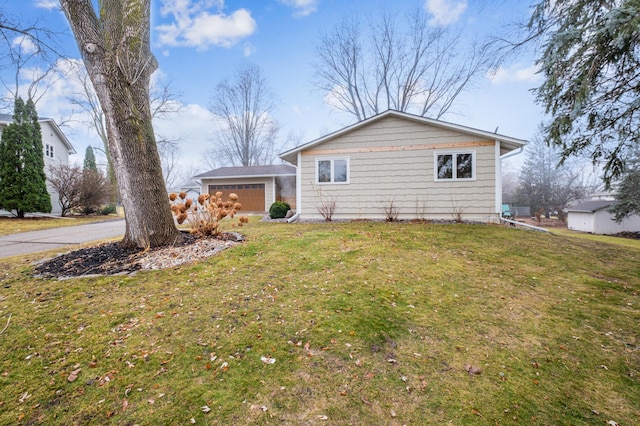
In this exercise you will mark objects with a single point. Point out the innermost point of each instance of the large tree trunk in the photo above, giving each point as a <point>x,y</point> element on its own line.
<point>116,53</point>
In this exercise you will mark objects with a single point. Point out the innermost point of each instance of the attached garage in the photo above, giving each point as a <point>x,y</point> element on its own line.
<point>251,195</point>
<point>257,187</point>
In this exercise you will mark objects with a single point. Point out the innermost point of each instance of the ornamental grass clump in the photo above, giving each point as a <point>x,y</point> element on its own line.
<point>205,216</point>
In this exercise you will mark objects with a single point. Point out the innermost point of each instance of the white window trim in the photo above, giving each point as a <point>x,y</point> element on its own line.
<point>332,159</point>
<point>49,150</point>
<point>455,168</point>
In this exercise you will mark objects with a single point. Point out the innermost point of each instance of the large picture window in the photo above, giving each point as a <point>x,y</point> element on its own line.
<point>332,170</point>
<point>455,166</point>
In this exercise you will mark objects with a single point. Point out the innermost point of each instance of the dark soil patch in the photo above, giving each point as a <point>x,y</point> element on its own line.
<point>105,259</point>
<point>108,259</point>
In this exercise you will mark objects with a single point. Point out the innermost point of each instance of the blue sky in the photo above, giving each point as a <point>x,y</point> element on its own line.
<point>198,43</point>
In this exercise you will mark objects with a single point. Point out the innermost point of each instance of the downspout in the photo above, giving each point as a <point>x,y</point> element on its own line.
<point>499,175</point>
<point>293,218</point>
<point>298,184</point>
<point>526,225</point>
<point>498,179</point>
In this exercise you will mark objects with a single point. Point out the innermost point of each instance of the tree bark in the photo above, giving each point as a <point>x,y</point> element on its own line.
<point>115,47</point>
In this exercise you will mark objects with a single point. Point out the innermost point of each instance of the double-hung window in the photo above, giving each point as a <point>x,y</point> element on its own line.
<point>332,170</point>
<point>49,150</point>
<point>455,166</point>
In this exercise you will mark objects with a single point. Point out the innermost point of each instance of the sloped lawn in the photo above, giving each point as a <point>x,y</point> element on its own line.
<point>334,324</point>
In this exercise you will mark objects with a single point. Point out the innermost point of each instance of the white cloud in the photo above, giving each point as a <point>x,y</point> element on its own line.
<point>194,25</point>
<point>47,4</point>
<point>514,73</point>
<point>249,49</point>
<point>25,44</point>
<point>302,8</point>
<point>194,128</point>
<point>445,12</point>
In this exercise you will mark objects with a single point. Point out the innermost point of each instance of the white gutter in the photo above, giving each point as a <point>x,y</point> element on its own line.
<point>512,153</point>
<point>293,218</point>
<point>513,222</point>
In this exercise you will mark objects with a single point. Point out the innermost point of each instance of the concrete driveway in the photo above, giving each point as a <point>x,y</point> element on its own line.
<point>31,242</point>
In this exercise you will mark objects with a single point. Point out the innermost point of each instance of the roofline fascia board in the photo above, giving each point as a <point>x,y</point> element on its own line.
<point>244,176</point>
<point>423,120</point>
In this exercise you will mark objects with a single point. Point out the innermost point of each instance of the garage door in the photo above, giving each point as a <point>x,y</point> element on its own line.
<point>250,195</point>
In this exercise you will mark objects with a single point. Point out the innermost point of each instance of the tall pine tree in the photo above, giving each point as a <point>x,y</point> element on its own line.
<point>23,185</point>
<point>90,160</point>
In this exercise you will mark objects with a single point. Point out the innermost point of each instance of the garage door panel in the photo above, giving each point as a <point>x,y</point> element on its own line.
<point>250,195</point>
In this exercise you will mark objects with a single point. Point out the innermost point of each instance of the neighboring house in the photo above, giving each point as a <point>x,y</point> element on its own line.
<point>428,169</point>
<point>593,217</point>
<point>56,150</point>
<point>192,189</point>
<point>257,187</point>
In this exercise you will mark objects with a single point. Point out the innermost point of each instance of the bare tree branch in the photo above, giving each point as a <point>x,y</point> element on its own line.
<point>419,69</point>
<point>244,106</point>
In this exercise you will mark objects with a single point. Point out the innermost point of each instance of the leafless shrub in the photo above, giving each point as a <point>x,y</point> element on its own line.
<point>79,189</point>
<point>456,214</point>
<point>95,191</point>
<point>390,209</point>
<point>326,203</point>
<point>66,180</point>
<point>422,208</point>
<point>538,214</point>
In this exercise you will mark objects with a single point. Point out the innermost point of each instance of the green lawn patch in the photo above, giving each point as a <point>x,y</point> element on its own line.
<point>13,225</point>
<point>334,323</point>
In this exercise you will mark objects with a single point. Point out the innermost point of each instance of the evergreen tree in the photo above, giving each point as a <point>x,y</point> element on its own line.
<point>589,59</point>
<point>628,194</point>
<point>544,184</point>
<point>22,179</point>
<point>90,160</point>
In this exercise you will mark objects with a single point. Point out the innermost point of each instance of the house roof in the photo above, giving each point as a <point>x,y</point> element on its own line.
<point>8,118</point>
<point>248,171</point>
<point>591,206</point>
<point>507,143</point>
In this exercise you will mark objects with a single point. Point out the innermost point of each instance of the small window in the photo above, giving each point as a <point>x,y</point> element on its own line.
<point>332,170</point>
<point>455,166</point>
<point>48,151</point>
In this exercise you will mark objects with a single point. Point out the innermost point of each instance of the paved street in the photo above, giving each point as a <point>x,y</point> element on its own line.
<point>31,242</point>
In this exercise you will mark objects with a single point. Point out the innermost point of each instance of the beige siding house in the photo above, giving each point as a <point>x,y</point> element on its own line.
<point>418,167</point>
<point>257,187</point>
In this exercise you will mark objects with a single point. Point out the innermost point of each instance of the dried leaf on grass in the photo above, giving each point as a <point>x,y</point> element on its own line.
<point>267,359</point>
<point>472,369</point>
<point>73,376</point>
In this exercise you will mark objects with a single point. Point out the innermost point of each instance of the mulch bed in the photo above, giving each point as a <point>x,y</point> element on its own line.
<point>114,258</point>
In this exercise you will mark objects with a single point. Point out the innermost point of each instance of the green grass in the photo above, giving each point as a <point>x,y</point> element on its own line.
<point>627,242</point>
<point>13,225</point>
<point>368,323</point>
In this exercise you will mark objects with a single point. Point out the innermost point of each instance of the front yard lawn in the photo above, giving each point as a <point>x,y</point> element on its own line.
<point>334,324</point>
